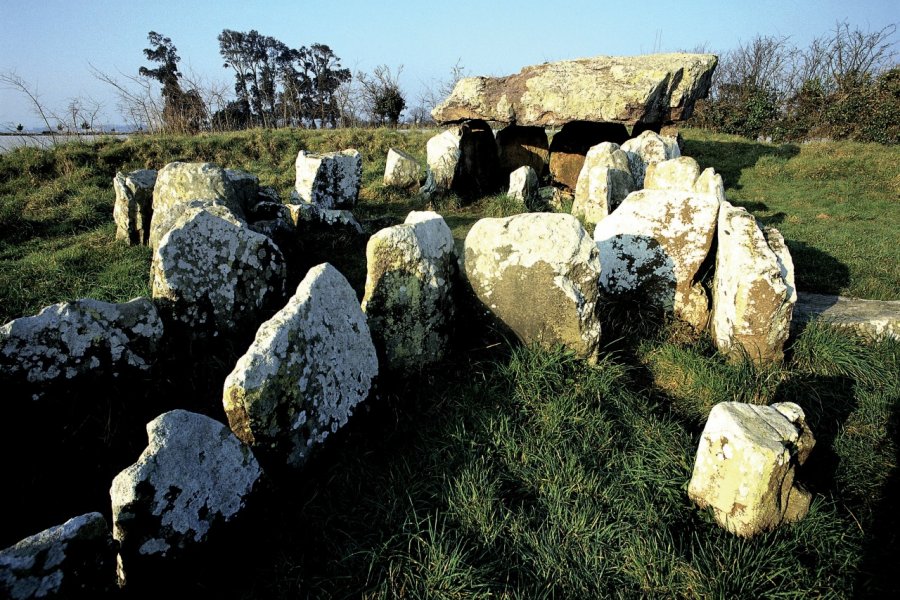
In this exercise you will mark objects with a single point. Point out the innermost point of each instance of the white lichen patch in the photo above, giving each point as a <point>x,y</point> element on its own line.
<point>314,359</point>
<point>72,339</point>
<point>329,180</point>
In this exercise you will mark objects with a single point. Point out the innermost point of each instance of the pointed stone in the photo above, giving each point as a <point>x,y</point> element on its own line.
<point>133,210</point>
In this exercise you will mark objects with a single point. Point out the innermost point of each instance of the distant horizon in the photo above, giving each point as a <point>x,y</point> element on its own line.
<point>54,44</point>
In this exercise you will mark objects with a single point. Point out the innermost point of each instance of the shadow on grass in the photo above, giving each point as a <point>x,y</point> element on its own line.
<point>817,271</point>
<point>729,159</point>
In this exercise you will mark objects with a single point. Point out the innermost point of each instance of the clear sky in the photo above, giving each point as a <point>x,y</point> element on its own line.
<point>50,43</point>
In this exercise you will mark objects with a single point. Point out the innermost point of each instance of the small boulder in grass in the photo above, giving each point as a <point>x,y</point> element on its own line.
<point>401,170</point>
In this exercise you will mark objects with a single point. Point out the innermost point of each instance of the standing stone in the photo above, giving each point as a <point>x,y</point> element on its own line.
<point>651,249</point>
<point>133,209</point>
<point>746,463</point>
<point>537,273</point>
<point>215,272</point>
<point>605,180</point>
<point>307,369</point>
<point>74,560</point>
<point>246,188</point>
<point>462,159</point>
<point>680,174</point>
<point>73,339</point>
<point>401,170</point>
<point>329,180</point>
<point>647,148</point>
<point>192,478</point>
<point>443,154</point>
<point>519,146</point>
<point>753,288</point>
<point>523,186</point>
<point>409,291</point>
<point>179,185</point>
<point>710,182</point>
<point>571,144</point>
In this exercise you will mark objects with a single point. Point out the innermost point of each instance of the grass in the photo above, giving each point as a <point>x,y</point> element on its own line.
<point>508,472</point>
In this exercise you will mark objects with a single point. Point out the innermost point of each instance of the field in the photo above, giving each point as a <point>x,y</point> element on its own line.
<point>509,472</point>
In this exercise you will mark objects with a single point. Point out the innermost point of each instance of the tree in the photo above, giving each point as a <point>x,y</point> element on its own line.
<point>255,59</point>
<point>19,127</point>
<point>383,96</point>
<point>182,110</point>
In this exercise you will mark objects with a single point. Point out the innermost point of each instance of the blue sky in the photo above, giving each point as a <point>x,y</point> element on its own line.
<point>51,43</point>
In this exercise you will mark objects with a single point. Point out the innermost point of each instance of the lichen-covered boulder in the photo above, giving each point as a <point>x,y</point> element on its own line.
<point>648,148</point>
<point>329,180</point>
<point>519,146</point>
<point>538,273</point>
<point>604,182</point>
<point>710,182</point>
<point>753,288</point>
<point>72,339</point>
<point>679,174</point>
<point>192,478</point>
<point>463,159</point>
<point>409,297</point>
<point>523,186</point>
<point>133,210</point>
<point>651,249</point>
<point>74,560</point>
<point>571,144</point>
<point>307,369</point>
<point>652,88</point>
<point>179,185</point>
<point>214,273</point>
<point>442,155</point>
<point>401,170</point>
<point>746,463</point>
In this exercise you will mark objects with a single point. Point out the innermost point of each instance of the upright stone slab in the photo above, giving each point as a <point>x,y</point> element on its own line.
<point>307,369</point>
<point>443,154</point>
<point>180,184</point>
<point>462,159</point>
<point>745,466</point>
<point>133,209</point>
<point>192,478</point>
<point>409,298</point>
<point>401,170</point>
<point>215,273</point>
<point>73,339</point>
<point>571,144</point>
<point>710,182</point>
<point>537,273</point>
<point>519,146</point>
<point>74,560</point>
<point>329,180</point>
<point>604,182</point>
<point>651,249</point>
<point>679,174</point>
<point>523,186</point>
<point>648,148</point>
<point>753,288</point>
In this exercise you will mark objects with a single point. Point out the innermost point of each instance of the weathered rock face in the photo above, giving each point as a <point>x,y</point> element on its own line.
<point>523,186</point>
<point>572,143</point>
<point>873,319</point>
<point>710,182</point>
<point>651,249</point>
<point>180,184</point>
<point>463,159</point>
<point>133,209</point>
<point>329,180</point>
<point>523,147</point>
<point>538,273</point>
<point>307,369</point>
<point>72,339</point>
<point>443,154</point>
<point>192,477</point>
<point>74,560</point>
<point>215,272</point>
<point>401,170</point>
<point>654,88</point>
<point>303,215</point>
<point>679,174</point>
<point>646,149</point>
<point>604,182</point>
<point>753,288</point>
<point>409,291</point>
<point>746,463</point>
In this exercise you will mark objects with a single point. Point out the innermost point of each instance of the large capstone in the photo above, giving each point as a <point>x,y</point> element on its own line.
<point>652,88</point>
<point>179,185</point>
<point>651,249</point>
<point>523,147</point>
<point>192,478</point>
<point>133,209</point>
<point>571,144</point>
<point>746,466</point>
<point>329,180</point>
<point>74,560</point>
<point>648,148</point>
<point>753,288</point>
<point>214,272</point>
<point>463,159</point>
<point>409,291</point>
<point>537,273</point>
<point>307,369</point>
<point>73,339</point>
<point>604,182</point>
<point>401,170</point>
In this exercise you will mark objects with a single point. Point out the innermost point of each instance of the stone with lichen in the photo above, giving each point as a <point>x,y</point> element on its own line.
<point>409,291</point>
<point>133,210</point>
<point>523,186</point>
<point>328,180</point>
<point>646,149</point>
<point>604,182</point>
<point>401,170</point>
<point>309,366</point>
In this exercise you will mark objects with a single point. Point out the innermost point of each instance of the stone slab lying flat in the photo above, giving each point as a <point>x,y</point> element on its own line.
<point>874,319</point>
